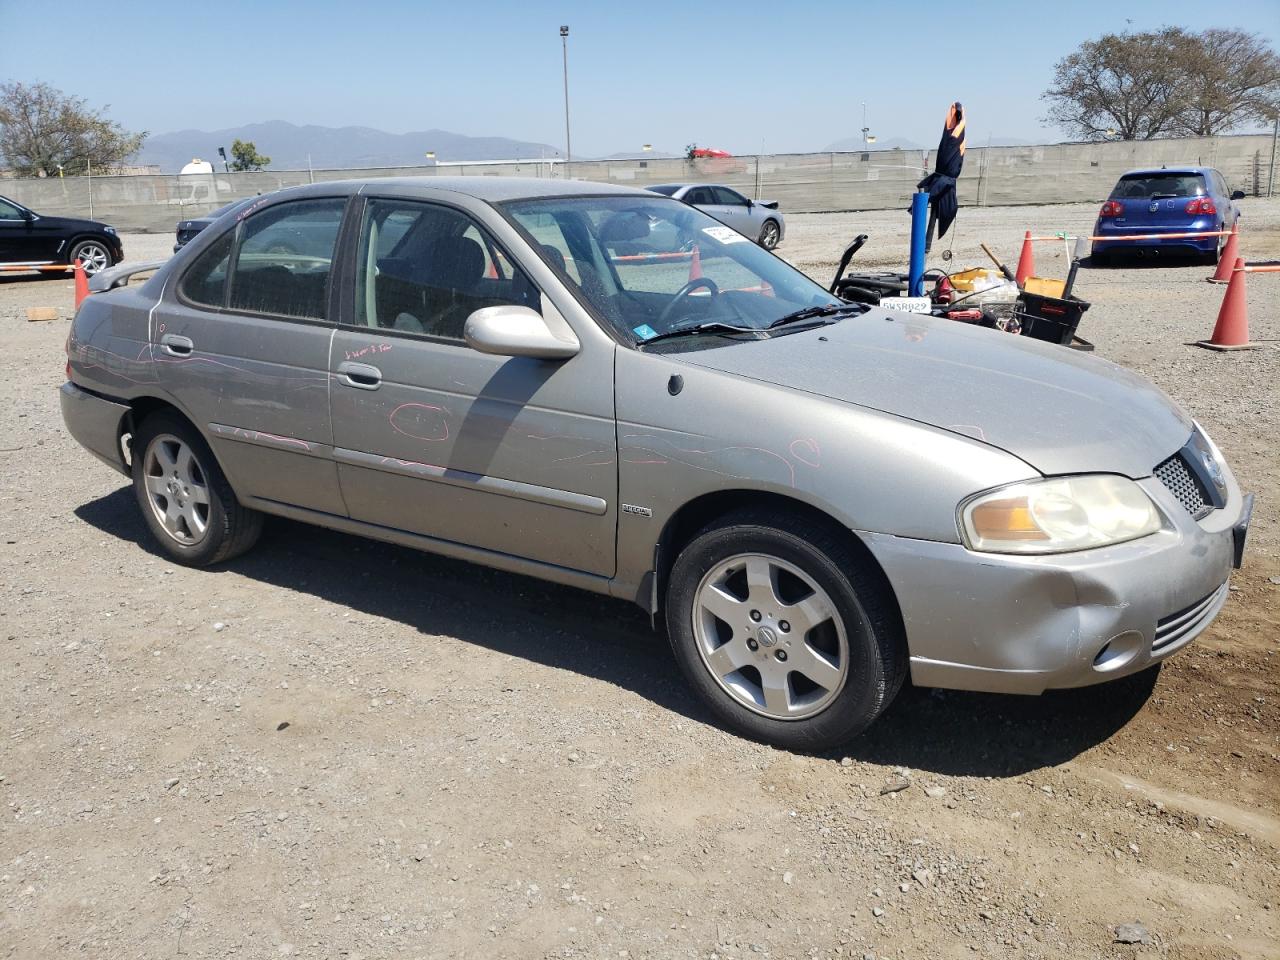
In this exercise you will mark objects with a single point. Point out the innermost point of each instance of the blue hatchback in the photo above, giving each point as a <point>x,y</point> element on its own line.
<point>1166,201</point>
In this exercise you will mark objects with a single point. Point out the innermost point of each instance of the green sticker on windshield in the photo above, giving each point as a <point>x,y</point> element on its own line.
<point>645,332</point>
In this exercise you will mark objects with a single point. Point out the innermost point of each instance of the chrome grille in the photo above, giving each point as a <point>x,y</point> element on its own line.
<point>1175,475</point>
<point>1175,626</point>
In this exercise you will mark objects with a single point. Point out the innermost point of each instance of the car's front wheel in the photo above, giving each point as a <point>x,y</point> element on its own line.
<point>770,233</point>
<point>782,630</point>
<point>93,254</point>
<point>185,499</point>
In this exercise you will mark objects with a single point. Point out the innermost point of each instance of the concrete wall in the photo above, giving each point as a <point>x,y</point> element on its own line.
<point>812,182</point>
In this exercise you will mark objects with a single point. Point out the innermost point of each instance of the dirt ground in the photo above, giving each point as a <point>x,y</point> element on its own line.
<point>334,748</point>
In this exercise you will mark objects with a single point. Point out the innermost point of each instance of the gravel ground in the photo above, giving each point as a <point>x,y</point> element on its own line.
<point>336,748</point>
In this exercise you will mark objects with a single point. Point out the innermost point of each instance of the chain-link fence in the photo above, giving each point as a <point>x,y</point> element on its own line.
<point>802,183</point>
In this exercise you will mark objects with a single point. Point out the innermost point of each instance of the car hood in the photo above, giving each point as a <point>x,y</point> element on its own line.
<point>72,224</point>
<point>1057,409</point>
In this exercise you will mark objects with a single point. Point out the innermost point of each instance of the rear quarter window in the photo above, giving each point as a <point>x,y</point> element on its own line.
<point>205,282</point>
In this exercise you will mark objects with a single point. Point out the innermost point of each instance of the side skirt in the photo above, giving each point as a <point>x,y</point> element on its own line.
<point>445,548</point>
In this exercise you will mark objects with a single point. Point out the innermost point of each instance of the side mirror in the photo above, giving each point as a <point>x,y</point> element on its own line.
<point>750,203</point>
<point>28,216</point>
<point>511,331</point>
<point>1237,195</point>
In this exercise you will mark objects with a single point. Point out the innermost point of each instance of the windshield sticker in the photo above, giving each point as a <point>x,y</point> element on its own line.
<point>645,332</point>
<point>724,234</point>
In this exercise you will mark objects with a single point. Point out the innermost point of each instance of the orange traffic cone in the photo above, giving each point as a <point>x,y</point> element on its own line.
<point>695,265</point>
<point>1026,262</point>
<point>82,284</point>
<point>1232,329</point>
<point>1226,262</point>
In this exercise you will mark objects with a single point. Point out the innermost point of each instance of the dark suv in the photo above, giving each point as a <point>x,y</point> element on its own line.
<point>30,239</point>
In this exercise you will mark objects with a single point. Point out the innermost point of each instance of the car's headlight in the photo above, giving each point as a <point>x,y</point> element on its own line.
<point>110,230</point>
<point>1058,515</point>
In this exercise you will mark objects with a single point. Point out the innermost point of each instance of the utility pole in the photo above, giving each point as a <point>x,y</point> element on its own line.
<point>568,150</point>
<point>88,169</point>
<point>1275,131</point>
<point>865,128</point>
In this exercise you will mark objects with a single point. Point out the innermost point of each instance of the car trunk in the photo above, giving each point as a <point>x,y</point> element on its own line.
<point>1157,201</point>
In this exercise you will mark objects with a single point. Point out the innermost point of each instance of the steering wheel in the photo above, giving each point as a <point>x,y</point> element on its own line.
<point>683,292</point>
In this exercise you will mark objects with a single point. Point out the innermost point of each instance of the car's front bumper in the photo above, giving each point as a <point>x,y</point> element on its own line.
<point>1010,624</point>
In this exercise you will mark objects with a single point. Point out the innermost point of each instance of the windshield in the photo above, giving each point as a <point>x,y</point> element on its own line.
<point>649,265</point>
<point>1148,186</point>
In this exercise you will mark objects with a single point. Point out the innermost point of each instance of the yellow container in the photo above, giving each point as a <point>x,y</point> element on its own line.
<point>1045,287</point>
<point>967,279</point>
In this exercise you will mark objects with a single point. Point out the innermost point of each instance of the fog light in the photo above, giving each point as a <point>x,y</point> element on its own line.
<point>1119,651</point>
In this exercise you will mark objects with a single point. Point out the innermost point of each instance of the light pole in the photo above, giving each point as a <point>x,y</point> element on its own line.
<point>568,151</point>
<point>865,128</point>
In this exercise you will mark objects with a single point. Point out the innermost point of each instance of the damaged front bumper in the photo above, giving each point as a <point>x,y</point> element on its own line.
<point>1017,624</point>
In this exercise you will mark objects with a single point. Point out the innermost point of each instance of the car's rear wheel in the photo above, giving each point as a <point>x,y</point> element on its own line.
<point>783,632</point>
<point>770,234</point>
<point>185,499</point>
<point>93,254</point>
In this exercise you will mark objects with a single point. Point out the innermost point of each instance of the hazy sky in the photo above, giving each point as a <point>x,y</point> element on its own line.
<point>792,75</point>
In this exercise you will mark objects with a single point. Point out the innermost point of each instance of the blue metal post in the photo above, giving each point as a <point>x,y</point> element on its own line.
<point>919,226</point>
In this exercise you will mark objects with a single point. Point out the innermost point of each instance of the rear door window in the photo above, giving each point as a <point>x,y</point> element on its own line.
<point>285,257</point>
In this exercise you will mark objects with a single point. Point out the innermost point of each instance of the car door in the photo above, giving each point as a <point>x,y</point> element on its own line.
<point>704,200</point>
<point>18,241</point>
<point>242,344</point>
<point>737,213</point>
<point>509,454</point>
<point>1230,212</point>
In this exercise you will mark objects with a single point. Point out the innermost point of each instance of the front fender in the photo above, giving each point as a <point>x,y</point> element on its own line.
<point>867,470</point>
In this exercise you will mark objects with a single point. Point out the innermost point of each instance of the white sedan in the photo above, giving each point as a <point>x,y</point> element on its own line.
<point>756,219</point>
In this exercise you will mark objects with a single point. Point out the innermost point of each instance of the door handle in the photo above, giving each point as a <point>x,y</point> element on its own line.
<point>176,346</point>
<point>360,375</point>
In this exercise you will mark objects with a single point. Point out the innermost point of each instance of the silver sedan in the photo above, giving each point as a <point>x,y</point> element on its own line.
<point>758,220</point>
<point>606,388</point>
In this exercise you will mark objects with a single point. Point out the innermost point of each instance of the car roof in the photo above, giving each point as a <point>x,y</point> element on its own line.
<point>495,189</point>
<point>683,186</point>
<point>1154,171</point>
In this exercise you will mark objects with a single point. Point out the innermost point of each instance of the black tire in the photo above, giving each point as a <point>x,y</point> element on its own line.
<point>770,234</point>
<point>877,650</point>
<point>1100,259</point>
<point>100,259</point>
<point>231,528</point>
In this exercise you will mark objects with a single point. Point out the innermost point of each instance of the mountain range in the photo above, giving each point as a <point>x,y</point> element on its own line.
<point>289,146</point>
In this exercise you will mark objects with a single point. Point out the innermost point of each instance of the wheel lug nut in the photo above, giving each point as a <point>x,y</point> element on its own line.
<point>755,615</point>
<point>781,655</point>
<point>784,626</point>
<point>752,645</point>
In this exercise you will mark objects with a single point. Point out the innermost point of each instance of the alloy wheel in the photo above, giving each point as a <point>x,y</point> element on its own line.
<point>770,636</point>
<point>769,235</point>
<point>94,256</point>
<point>176,489</point>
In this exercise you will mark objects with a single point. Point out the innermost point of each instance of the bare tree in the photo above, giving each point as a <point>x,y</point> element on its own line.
<point>1231,78</point>
<point>1121,85</point>
<point>42,129</point>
